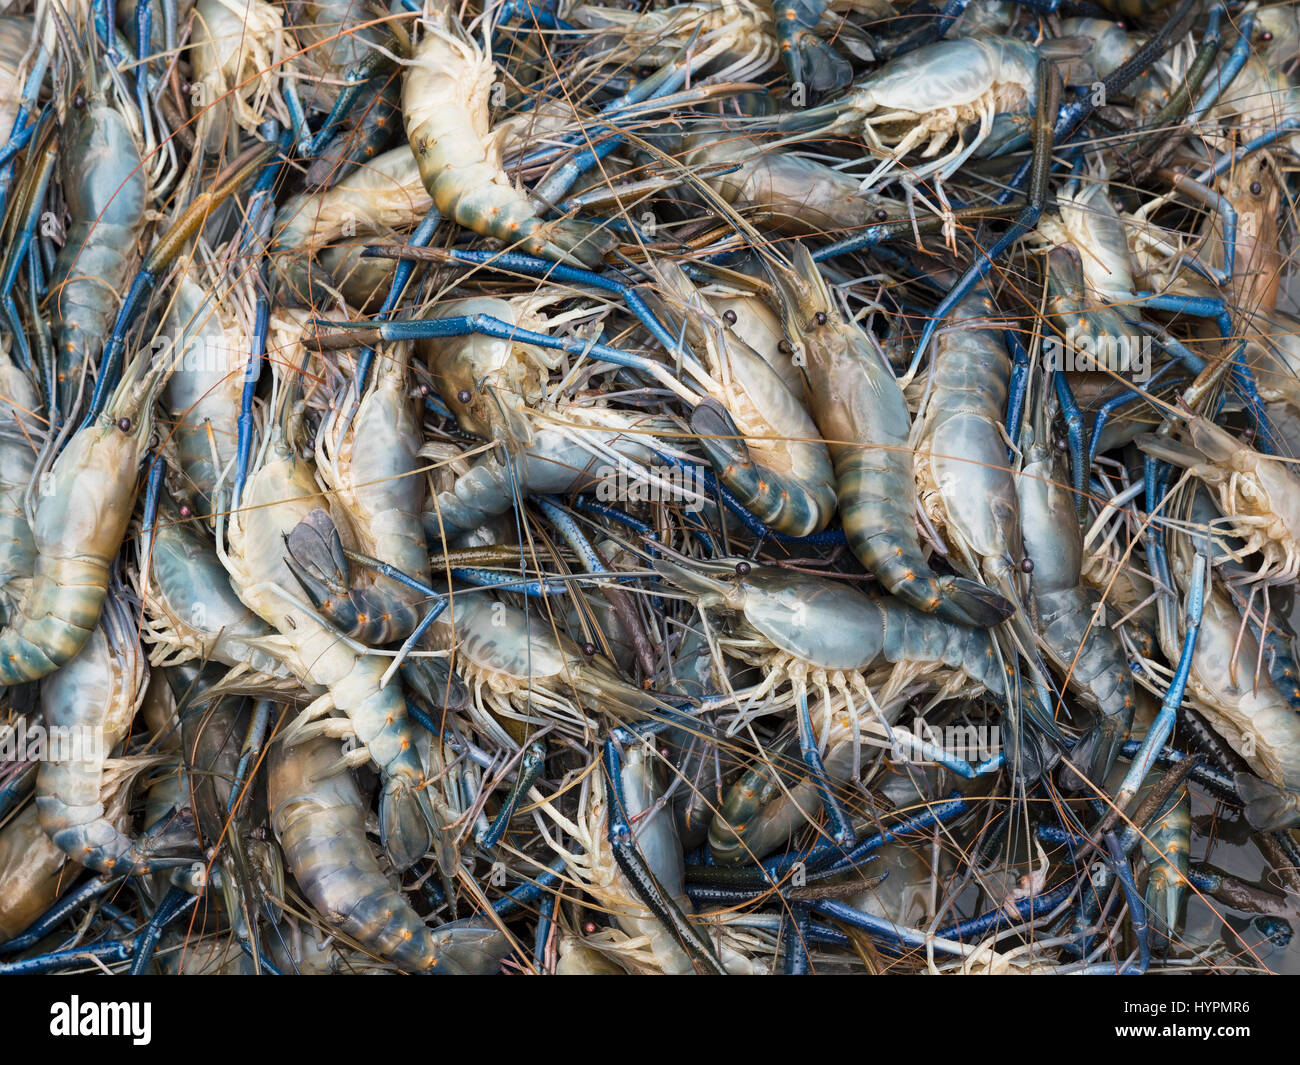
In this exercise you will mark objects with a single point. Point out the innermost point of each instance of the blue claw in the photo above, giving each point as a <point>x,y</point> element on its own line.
<point>613,513</point>
<point>545,270</point>
<point>22,132</point>
<point>542,17</point>
<point>1218,310</point>
<point>1113,404</point>
<point>488,578</point>
<point>827,859</point>
<point>1228,160</point>
<point>486,325</point>
<point>1163,725</point>
<point>419,239</point>
<point>796,938</point>
<point>842,833</point>
<point>254,739</point>
<point>1073,416</point>
<point>1137,914</point>
<point>297,116</point>
<point>530,768</point>
<point>59,912</point>
<point>73,958</point>
<point>175,903</point>
<point>884,928</point>
<point>309,145</point>
<point>545,922</point>
<point>23,246</point>
<point>152,496</point>
<point>529,892</point>
<point>572,534</point>
<point>143,47</point>
<point>261,215</point>
<point>1230,68</point>
<point>633,865</point>
<point>1027,909</point>
<point>1017,389</point>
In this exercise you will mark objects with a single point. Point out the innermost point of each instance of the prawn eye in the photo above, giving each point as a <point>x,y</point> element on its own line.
<point>424,390</point>
<point>820,317</point>
<point>464,395</point>
<point>185,510</point>
<point>1256,188</point>
<point>729,316</point>
<point>742,569</point>
<point>588,649</point>
<point>785,348</point>
<point>881,214</point>
<point>124,424</point>
<point>1267,35</point>
<point>1027,565</point>
<point>79,101</point>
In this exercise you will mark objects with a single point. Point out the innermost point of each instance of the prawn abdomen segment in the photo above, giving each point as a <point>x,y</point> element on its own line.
<point>862,414</point>
<point>794,501</point>
<point>445,101</point>
<point>379,717</point>
<point>319,820</point>
<point>280,496</point>
<point>962,456</point>
<point>68,590</point>
<point>55,619</point>
<point>876,503</point>
<point>93,700</point>
<point>916,636</point>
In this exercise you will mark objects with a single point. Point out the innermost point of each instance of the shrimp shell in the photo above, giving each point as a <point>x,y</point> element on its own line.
<point>445,102</point>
